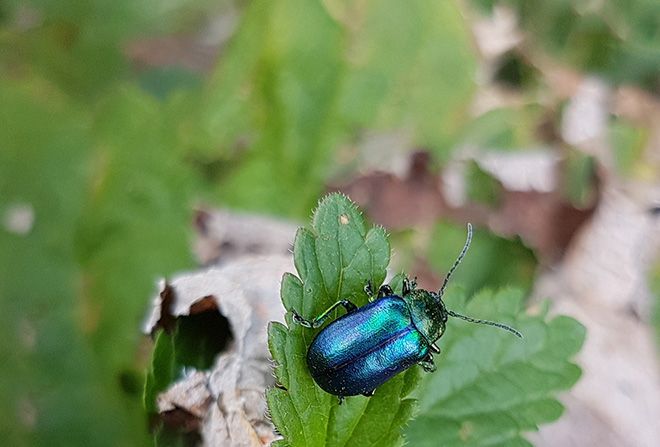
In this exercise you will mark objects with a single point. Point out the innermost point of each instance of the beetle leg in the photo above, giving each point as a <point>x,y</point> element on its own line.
<point>341,399</point>
<point>427,363</point>
<point>385,290</point>
<point>406,286</point>
<point>318,321</point>
<point>409,285</point>
<point>435,348</point>
<point>369,290</point>
<point>369,393</point>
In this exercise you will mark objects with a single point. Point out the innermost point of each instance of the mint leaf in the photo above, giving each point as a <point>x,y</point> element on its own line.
<point>334,259</point>
<point>490,387</point>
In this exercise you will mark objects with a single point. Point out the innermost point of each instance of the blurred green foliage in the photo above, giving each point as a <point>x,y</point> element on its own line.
<point>52,371</point>
<point>300,78</point>
<point>78,45</point>
<point>482,187</point>
<point>579,181</point>
<point>503,129</point>
<point>480,267</point>
<point>628,143</point>
<point>109,158</point>
<point>617,39</point>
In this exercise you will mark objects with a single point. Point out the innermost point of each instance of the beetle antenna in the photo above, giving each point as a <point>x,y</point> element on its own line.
<point>489,323</point>
<point>461,255</point>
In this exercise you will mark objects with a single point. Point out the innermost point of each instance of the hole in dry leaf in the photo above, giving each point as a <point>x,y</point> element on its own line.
<point>200,337</point>
<point>177,427</point>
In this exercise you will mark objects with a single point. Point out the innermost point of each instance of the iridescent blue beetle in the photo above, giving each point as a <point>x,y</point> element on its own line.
<point>363,349</point>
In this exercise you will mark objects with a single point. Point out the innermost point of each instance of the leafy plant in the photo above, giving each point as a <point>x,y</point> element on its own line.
<point>334,258</point>
<point>490,387</point>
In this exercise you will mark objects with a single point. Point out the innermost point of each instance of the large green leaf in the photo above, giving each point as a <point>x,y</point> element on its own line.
<point>299,78</point>
<point>333,259</point>
<point>275,92</point>
<point>490,387</point>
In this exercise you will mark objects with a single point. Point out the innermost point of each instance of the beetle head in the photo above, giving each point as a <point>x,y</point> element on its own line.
<point>428,311</point>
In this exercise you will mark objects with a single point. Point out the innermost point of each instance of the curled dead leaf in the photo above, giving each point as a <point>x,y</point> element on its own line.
<point>225,404</point>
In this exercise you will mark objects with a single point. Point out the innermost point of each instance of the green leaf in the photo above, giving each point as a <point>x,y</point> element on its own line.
<point>334,259</point>
<point>490,386</point>
<point>419,78</point>
<point>580,179</point>
<point>276,90</point>
<point>628,144</point>
<point>162,370</point>
<point>300,78</point>
<point>506,129</point>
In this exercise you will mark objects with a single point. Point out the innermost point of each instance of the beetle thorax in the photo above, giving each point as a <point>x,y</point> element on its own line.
<point>428,313</point>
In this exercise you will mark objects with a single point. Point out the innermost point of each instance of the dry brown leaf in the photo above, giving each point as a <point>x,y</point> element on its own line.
<point>227,401</point>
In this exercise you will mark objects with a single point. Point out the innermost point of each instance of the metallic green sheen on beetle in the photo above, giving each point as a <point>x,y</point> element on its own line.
<point>363,349</point>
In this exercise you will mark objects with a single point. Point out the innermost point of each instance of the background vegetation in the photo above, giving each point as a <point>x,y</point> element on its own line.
<point>118,118</point>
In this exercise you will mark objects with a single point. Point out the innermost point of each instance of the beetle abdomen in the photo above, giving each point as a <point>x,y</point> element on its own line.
<point>361,350</point>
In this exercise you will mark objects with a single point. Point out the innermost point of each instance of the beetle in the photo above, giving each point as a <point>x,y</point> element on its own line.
<point>367,346</point>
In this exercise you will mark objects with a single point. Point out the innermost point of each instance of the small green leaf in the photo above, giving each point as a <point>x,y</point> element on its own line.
<point>628,143</point>
<point>580,179</point>
<point>195,341</point>
<point>490,387</point>
<point>334,259</point>
<point>504,129</point>
<point>162,370</point>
